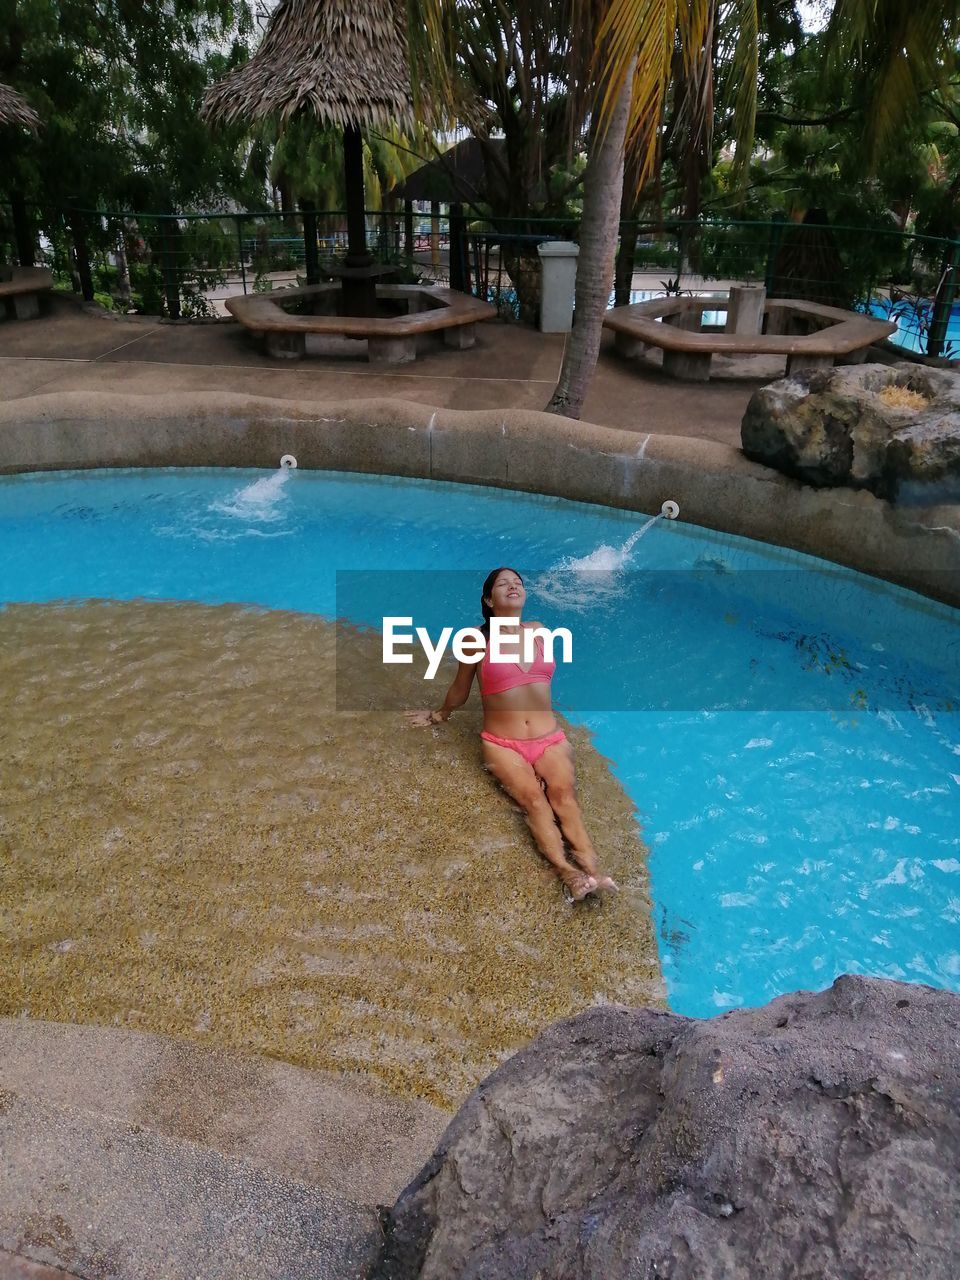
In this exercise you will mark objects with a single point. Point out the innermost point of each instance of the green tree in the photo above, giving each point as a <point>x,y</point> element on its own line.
<point>117,86</point>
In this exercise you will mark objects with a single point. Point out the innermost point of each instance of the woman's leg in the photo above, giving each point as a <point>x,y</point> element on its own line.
<point>556,769</point>
<point>519,781</point>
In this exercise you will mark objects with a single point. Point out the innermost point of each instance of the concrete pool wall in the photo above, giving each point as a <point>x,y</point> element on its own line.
<point>716,486</point>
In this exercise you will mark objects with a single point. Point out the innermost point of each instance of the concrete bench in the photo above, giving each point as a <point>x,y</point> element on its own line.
<point>390,339</point>
<point>675,325</point>
<point>23,287</point>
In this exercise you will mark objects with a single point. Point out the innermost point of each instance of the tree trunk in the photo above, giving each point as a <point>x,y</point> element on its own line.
<point>311,258</point>
<point>81,253</point>
<point>602,190</point>
<point>629,231</point>
<point>23,230</point>
<point>623,276</point>
<point>170,265</point>
<point>408,229</point>
<point>123,271</point>
<point>357,253</point>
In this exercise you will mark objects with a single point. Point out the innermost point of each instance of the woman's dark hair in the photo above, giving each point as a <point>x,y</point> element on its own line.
<point>488,582</point>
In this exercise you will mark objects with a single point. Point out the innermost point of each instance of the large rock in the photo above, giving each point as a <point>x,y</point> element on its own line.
<point>855,426</point>
<point>817,1137</point>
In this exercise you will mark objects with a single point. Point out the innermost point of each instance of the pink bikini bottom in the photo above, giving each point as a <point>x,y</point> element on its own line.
<point>530,748</point>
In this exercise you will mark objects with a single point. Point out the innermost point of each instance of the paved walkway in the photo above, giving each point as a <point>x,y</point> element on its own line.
<point>138,1156</point>
<point>510,367</point>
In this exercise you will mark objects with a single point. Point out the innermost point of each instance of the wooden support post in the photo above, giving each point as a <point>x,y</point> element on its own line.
<point>171,274</point>
<point>24,232</point>
<point>408,228</point>
<point>627,345</point>
<point>392,350</point>
<point>461,337</point>
<point>688,366</point>
<point>26,306</point>
<point>435,233</point>
<point>81,250</point>
<point>808,363</point>
<point>459,262</point>
<point>745,309</point>
<point>311,258</point>
<point>285,346</point>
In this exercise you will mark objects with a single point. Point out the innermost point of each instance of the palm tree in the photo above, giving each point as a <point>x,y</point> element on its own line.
<point>637,48</point>
<point>619,59</point>
<point>901,49</point>
<point>894,51</point>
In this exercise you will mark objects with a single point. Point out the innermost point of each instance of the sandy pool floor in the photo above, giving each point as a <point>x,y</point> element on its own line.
<point>194,841</point>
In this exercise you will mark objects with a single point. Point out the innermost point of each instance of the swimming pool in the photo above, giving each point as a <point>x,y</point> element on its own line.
<point>913,319</point>
<point>788,733</point>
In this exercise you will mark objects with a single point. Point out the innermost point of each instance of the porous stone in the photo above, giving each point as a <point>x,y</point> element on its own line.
<point>849,426</point>
<point>815,1138</point>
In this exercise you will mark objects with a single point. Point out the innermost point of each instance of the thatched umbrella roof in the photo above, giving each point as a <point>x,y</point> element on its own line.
<point>463,173</point>
<point>343,61</point>
<point>14,109</point>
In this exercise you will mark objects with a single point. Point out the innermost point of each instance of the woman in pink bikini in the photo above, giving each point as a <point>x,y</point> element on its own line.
<point>522,746</point>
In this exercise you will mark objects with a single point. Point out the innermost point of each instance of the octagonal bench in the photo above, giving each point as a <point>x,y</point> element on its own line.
<point>23,287</point>
<point>390,339</point>
<point>674,325</point>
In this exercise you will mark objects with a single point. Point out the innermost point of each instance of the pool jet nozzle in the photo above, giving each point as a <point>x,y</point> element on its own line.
<point>670,510</point>
<point>288,461</point>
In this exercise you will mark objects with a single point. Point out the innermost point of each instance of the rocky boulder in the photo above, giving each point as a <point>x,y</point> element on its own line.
<point>892,429</point>
<point>817,1137</point>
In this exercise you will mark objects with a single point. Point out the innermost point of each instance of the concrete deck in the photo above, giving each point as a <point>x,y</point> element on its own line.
<point>130,1155</point>
<point>510,367</point>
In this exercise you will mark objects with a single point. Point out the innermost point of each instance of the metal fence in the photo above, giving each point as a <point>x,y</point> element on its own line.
<point>186,265</point>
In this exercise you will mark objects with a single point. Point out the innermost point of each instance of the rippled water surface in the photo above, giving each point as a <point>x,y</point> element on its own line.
<point>789,735</point>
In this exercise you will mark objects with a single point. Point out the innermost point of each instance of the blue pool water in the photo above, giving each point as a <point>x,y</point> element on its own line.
<point>913,321</point>
<point>789,733</point>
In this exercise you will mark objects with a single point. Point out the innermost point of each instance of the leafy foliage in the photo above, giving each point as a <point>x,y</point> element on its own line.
<point>117,86</point>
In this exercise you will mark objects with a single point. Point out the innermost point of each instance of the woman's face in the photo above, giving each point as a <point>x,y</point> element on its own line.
<point>507,594</point>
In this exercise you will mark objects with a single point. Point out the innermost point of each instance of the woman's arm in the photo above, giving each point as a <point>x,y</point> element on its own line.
<point>457,695</point>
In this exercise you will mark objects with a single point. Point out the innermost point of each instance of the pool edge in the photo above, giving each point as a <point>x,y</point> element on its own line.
<point>530,451</point>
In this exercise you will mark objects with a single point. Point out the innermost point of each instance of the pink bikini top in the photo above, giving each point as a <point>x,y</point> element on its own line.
<point>498,677</point>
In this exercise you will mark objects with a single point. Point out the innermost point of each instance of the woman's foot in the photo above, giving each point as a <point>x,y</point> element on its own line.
<point>576,883</point>
<point>589,864</point>
<point>605,882</point>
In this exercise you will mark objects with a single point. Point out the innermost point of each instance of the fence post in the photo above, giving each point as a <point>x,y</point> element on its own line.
<point>435,234</point>
<point>171,276</point>
<point>777,224</point>
<point>408,228</point>
<point>459,260</point>
<point>243,269</point>
<point>946,292</point>
<point>24,233</point>
<point>679,254</point>
<point>311,260</point>
<point>81,250</point>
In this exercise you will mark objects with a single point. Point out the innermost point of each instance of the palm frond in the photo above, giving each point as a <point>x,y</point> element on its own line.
<point>14,109</point>
<point>744,72</point>
<point>899,49</point>
<point>641,37</point>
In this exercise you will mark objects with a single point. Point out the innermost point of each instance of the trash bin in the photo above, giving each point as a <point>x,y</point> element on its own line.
<point>558,277</point>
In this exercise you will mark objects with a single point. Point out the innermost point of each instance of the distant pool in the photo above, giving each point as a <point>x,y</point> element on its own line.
<point>912,326</point>
<point>789,733</point>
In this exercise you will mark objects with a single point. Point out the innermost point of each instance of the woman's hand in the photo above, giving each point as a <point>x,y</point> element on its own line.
<point>421,719</point>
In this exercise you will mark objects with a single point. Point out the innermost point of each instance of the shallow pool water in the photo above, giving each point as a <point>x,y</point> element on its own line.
<point>789,733</point>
